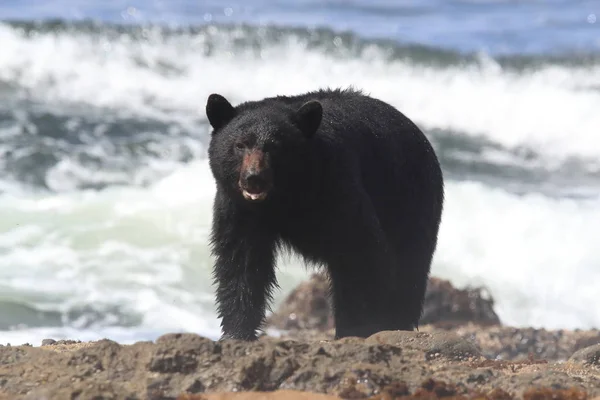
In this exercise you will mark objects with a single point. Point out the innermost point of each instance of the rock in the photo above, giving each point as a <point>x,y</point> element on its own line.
<point>179,353</point>
<point>187,366</point>
<point>446,306</point>
<point>509,343</point>
<point>442,344</point>
<point>452,347</point>
<point>308,307</point>
<point>586,339</point>
<point>588,355</point>
<point>48,342</point>
<point>435,389</point>
<point>84,390</point>
<point>68,341</point>
<point>554,394</point>
<point>276,395</point>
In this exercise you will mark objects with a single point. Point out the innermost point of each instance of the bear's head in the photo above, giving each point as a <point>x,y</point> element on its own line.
<point>255,148</point>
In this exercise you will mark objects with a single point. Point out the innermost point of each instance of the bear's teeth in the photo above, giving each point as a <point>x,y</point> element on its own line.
<point>253,196</point>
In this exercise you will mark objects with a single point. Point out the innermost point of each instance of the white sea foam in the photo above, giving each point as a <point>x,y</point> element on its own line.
<point>547,109</point>
<point>538,256</point>
<point>143,252</point>
<point>134,251</point>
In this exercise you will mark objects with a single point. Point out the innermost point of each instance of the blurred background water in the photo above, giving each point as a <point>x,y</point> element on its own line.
<point>105,193</point>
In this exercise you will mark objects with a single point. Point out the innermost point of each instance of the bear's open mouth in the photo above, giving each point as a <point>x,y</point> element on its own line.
<point>254,196</point>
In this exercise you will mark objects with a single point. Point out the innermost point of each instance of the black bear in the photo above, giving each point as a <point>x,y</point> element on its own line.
<point>343,179</point>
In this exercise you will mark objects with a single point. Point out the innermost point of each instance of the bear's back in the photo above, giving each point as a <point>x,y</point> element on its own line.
<point>355,122</point>
<point>350,111</point>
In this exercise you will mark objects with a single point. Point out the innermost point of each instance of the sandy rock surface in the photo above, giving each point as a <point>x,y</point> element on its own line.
<point>389,364</point>
<point>464,352</point>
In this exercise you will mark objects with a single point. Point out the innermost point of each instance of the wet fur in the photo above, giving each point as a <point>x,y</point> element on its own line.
<point>362,196</point>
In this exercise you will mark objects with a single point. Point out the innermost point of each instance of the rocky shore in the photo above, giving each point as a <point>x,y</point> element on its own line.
<point>462,350</point>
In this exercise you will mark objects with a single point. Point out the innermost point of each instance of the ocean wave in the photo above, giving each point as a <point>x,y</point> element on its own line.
<point>248,38</point>
<point>128,257</point>
<point>127,101</point>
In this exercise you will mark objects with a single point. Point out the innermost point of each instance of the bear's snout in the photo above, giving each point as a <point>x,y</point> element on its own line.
<point>255,175</point>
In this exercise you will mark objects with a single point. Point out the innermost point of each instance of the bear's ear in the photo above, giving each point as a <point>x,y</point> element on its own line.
<point>308,117</point>
<point>219,111</point>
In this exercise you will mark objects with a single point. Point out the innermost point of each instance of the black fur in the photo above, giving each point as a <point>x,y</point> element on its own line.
<point>356,188</point>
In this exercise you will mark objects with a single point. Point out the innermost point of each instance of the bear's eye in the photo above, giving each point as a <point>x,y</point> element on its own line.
<point>240,146</point>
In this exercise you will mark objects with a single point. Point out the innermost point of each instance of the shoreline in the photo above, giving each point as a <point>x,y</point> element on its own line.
<point>436,362</point>
<point>462,352</point>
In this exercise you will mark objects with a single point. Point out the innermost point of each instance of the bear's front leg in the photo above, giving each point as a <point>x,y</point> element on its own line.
<point>244,272</point>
